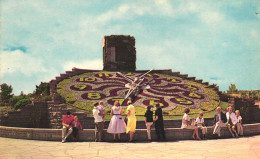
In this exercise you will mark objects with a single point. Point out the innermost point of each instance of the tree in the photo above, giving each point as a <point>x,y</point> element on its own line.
<point>232,88</point>
<point>43,89</point>
<point>5,93</point>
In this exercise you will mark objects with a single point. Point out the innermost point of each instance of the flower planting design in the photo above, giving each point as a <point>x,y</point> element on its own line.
<point>169,91</point>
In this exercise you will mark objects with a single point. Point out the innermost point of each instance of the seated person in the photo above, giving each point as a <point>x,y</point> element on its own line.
<point>239,123</point>
<point>200,123</point>
<point>219,121</point>
<point>67,128</point>
<point>186,123</point>
<point>76,126</point>
<point>231,122</point>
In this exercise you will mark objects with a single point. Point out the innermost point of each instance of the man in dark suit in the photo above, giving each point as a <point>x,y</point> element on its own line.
<point>159,127</point>
<point>220,120</point>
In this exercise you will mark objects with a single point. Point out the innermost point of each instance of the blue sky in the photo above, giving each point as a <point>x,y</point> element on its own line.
<point>217,41</point>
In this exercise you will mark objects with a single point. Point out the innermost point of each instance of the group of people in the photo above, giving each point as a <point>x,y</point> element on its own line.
<point>119,125</point>
<point>231,120</point>
<point>70,125</point>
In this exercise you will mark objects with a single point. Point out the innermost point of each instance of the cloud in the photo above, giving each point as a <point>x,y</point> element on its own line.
<point>211,17</point>
<point>84,64</point>
<point>201,38</point>
<point>17,61</point>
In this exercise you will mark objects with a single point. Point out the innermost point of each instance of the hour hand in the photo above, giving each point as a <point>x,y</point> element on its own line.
<point>129,79</point>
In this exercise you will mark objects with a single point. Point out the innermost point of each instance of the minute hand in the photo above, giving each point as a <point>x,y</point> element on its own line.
<point>130,91</point>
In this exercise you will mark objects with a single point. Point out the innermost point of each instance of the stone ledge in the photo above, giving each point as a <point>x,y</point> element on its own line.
<point>89,134</point>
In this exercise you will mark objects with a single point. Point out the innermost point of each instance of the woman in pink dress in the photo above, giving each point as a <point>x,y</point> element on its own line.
<point>117,124</point>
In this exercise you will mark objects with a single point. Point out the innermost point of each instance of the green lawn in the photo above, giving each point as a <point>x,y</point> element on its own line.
<point>206,115</point>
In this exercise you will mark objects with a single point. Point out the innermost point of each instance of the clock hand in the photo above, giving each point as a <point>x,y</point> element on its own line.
<point>131,90</point>
<point>146,73</point>
<point>129,79</point>
<point>128,93</point>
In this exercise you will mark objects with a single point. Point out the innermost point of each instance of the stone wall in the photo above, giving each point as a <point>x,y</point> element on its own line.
<point>56,112</point>
<point>119,53</point>
<point>140,124</point>
<point>140,135</point>
<point>33,115</point>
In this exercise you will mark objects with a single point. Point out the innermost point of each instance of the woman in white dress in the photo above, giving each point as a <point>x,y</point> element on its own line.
<point>117,124</point>
<point>187,123</point>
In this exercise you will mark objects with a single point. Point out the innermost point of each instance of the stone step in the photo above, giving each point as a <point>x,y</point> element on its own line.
<point>206,83</point>
<point>183,75</point>
<point>175,73</point>
<point>191,78</point>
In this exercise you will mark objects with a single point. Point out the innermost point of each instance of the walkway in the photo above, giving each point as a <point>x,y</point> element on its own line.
<point>244,148</point>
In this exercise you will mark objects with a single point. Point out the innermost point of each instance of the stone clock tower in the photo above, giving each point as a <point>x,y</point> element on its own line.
<point>119,53</point>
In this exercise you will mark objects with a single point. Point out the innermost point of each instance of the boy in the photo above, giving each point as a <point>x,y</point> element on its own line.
<point>200,123</point>
<point>101,109</point>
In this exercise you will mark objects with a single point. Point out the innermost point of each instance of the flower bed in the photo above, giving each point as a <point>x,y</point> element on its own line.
<point>172,93</point>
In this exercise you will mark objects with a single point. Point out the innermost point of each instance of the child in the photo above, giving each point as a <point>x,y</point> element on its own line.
<point>200,123</point>
<point>76,126</point>
<point>101,109</point>
<point>239,123</point>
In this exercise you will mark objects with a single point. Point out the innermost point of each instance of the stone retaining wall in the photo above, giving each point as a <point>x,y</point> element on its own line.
<point>140,124</point>
<point>140,135</point>
<point>33,115</point>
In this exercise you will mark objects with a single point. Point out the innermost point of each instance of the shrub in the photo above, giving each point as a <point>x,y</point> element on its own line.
<point>43,89</point>
<point>15,99</point>
<point>245,106</point>
<point>224,97</point>
<point>21,103</point>
<point>46,98</point>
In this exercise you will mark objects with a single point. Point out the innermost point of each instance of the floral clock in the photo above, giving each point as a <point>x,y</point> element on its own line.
<point>169,91</point>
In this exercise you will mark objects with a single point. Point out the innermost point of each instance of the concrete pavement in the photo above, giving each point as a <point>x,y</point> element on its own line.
<point>237,148</point>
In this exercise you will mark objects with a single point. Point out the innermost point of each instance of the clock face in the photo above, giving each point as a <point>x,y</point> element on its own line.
<point>169,91</point>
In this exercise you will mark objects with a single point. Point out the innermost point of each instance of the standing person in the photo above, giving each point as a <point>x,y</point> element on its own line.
<point>200,123</point>
<point>186,123</point>
<point>239,123</point>
<point>148,121</point>
<point>99,124</point>
<point>117,124</point>
<point>102,109</point>
<point>76,126</point>
<point>131,120</point>
<point>159,127</point>
<point>220,120</point>
<point>231,122</point>
<point>67,128</point>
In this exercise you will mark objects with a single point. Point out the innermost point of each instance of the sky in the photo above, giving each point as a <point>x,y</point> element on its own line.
<point>217,41</point>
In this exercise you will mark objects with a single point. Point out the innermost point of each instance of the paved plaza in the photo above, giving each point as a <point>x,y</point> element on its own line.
<point>244,148</point>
